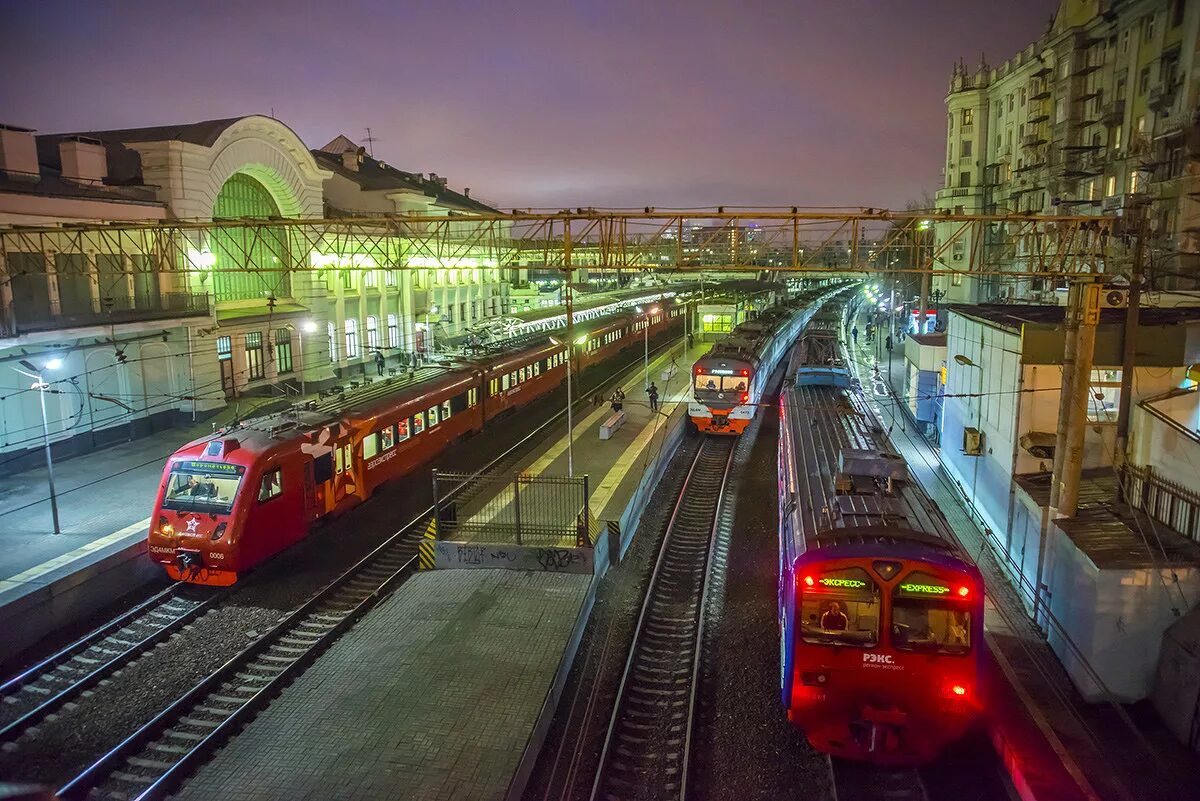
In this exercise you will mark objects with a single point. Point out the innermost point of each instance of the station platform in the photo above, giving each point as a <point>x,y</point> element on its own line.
<point>439,692</point>
<point>1053,744</point>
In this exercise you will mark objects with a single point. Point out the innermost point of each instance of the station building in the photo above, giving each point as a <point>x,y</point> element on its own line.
<point>1106,583</point>
<point>140,348</point>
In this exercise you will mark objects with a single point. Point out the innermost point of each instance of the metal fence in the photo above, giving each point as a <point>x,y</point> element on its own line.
<point>1167,502</point>
<point>513,508</point>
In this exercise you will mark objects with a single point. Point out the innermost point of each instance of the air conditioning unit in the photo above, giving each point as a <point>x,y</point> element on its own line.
<point>1114,298</point>
<point>972,441</point>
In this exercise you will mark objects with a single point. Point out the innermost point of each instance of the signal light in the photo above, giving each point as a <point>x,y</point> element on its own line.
<point>808,581</point>
<point>745,372</point>
<point>745,397</point>
<point>964,591</point>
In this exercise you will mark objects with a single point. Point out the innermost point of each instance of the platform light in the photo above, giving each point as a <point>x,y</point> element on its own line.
<point>308,326</point>
<point>54,364</point>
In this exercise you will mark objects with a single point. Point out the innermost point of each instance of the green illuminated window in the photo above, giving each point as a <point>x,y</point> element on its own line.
<point>250,263</point>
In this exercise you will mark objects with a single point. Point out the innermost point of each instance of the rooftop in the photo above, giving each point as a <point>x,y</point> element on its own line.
<point>1014,316</point>
<point>375,175</point>
<point>1114,538</point>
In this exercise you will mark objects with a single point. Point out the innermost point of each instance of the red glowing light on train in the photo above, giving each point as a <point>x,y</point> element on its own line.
<point>964,591</point>
<point>959,690</point>
<point>808,581</point>
<point>745,397</point>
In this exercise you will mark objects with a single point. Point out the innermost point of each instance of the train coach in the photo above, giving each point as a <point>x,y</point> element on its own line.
<point>728,381</point>
<point>231,500</point>
<point>880,611</point>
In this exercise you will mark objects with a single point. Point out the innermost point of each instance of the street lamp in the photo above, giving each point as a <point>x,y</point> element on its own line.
<point>306,327</point>
<point>42,386</point>
<point>570,419</point>
<point>646,358</point>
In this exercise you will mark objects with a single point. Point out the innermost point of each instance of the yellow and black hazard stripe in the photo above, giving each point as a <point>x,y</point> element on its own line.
<point>427,547</point>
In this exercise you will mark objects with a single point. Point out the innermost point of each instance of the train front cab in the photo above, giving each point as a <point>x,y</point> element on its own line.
<point>721,401</point>
<point>880,655</point>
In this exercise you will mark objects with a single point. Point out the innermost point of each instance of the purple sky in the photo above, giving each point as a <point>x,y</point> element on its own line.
<point>543,104</point>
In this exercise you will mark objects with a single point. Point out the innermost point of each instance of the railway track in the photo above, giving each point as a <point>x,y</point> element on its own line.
<point>859,781</point>
<point>45,687</point>
<point>150,762</point>
<point>649,737</point>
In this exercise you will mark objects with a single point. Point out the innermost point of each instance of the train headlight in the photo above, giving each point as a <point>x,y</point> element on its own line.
<point>168,530</point>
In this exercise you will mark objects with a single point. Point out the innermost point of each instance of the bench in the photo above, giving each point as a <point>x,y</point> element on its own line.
<point>614,421</point>
<point>392,371</point>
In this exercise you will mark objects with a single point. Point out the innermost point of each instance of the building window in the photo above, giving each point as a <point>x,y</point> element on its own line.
<point>333,347</point>
<point>1110,186</point>
<point>347,279</point>
<point>964,179</point>
<point>257,253</point>
<point>1021,95</point>
<point>389,278</point>
<point>283,350</point>
<point>351,338</point>
<point>1125,42</point>
<point>393,332</point>
<point>1149,27</point>
<point>1010,103</point>
<point>224,348</point>
<point>1177,13</point>
<point>1144,80</point>
<point>966,149</point>
<point>1135,181</point>
<point>372,332</point>
<point>968,116</point>
<point>254,355</point>
<point>370,278</point>
<point>949,122</point>
<point>1118,133</point>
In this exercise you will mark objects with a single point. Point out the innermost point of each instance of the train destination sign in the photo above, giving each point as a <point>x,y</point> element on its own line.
<point>210,467</point>
<point>856,584</point>
<point>925,589</point>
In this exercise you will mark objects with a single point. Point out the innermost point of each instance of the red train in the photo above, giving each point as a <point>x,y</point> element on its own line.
<point>232,500</point>
<point>880,611</point>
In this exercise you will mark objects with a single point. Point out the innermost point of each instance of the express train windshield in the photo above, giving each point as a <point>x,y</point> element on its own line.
<point>930,615</point>
<point>202,486</point>
<point>840,607</point>
<point>721,383</point>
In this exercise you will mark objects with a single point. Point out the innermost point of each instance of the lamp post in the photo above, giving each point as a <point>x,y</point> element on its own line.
<point>646,353</point>
<point>41,386</point>
<point>570,418</point>
<point>306,327</point>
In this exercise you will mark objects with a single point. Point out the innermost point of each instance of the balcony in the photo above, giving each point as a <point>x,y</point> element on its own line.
<point>1113,112</point>
<point>1162,96</point>
<point>30,316</point>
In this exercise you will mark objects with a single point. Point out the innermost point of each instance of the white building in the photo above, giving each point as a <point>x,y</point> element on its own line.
<point>1096,573</point>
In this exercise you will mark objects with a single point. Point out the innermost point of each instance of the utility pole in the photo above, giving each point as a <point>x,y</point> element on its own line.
<point>1083,313</point>
<point>568,294</point>
<point>1129,353</point>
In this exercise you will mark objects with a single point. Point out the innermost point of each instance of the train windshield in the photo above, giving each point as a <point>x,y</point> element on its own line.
<point>202,486</point>
<point>721,383</point>
<point>839,607</point>
<point>932,615</point>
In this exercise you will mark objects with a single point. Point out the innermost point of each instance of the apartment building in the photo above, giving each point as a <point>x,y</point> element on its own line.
<point>1099,116</point>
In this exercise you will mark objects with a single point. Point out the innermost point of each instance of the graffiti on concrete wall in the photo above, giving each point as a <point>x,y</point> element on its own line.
<point>512,557</point>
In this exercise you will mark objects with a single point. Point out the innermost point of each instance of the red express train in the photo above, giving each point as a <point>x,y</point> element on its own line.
<point>231,500</point>
<point>880,611</point>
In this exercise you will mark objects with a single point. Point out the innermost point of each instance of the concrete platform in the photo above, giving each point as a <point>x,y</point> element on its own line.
<point>428,697</point>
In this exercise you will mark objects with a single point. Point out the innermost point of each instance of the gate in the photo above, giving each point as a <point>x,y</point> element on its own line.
<point>513,509</point>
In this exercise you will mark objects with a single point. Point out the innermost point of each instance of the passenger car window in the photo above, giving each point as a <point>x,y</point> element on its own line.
<point>272,485</point>
<point>418,423</point>
<point>402,430</point>
<point>387,438</point>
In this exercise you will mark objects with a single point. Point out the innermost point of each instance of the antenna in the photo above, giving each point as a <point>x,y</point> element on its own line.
<point>370,140</point>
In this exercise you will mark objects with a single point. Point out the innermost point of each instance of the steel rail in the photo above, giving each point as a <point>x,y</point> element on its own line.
<point>862,781</point>
<point>647,744</point>
<point>39,690</point>
<point>292,663</point>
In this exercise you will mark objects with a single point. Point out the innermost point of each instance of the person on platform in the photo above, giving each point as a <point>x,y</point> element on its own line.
<point>379,361</point>
<point>652,391</point>
<point>854,335</point>
<point>834,618</point>
<point>615,401</point>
